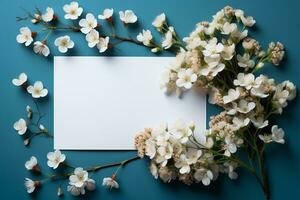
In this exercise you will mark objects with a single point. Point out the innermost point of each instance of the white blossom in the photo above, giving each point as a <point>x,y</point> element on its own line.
<point>48,15</point>
<point>246,80</point>
<point>103,44</point>
<point>92,38</point>
<point>159,21</point>
<point>245,106</point>
<point>145,37</point>
<point>64,43</point>
<point>55,158</point>
<point>228,28</point>
<point>212,51</point>
<point>107,14</point>
<point>186,78</point>
<point>25,36</point>
<point>90,184</point>
<point>87,24</point>
<point>20,126</point>
<point>181,131</point>
<point>183,164</point>
<point>37,90</point>
<point>231,96</point>
<point>31,185</point>
<point>245,61</point>
<point>22,78</point>
<point>41,48</point>
<point>230,146</point>
<point>76,191</point>
<point>79,177</point>
<point>128,16</point>
<point>72,10</point>
<point>168,39</point>
<point>31,163</point>
<point>240,122</point>
<point>277,134</point>
<point>110,182</point>
<point>248,21</point>
<point>203,175</point>
<point>259,122</point>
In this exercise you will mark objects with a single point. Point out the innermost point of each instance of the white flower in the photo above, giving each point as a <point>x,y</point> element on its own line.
<point>79,177</point>
<point>110,182</point>
<point>277,134</point>
<point>87,24</point>
<point>259,122</point>
<point>228,51</point>
<point>265,138</point>
<point>20,80</point>
<point>186,78</point>
<point>203,175</point>
<point>168,39</point>
<point>248,21</point>
<point>245,106</point>
<point>239,13</point>
<point>31,163</point>
<point>73,11</point>
<point>183,165</point>
<point>103,44</point>
<point>55,158</point>
<point>230,146</point>
<point>246,80</point>
<point>240,122</point>
<point>231,96</point>
<point>76,191</point>
<point>92,38</point>
<point>159,21</point>
<point>30,185</point>
<point>20,126</point>
<point>245,61</point>
<point>25,36</point>
<point>213,50</point>
<point>228,28</point>
<point>153,170</point>
<point>48,15</point>
<point>41,48</point>
<point>181,131</point>
<point>64,43</point>
<point>107,14</point>
<point>90,184</point>
<point>165,153</point>
<point>37,90</point>
<point>128,17</point>
<point>212,69</point>
<point>150,148</point>
<point>145,37</point>
<point>193,155</point>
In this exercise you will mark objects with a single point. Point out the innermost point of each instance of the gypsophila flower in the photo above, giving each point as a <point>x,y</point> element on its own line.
<point>64,43</point>
<point>110,182</point>
<point>37,90</point>
<point>20,126</point>
<point>48,15</point>
<point>128,17</point>
<point>107,14</point>
<point>72,10</point>
<point>25,36</point>
<point>145,37</point>
<point>88,24</point>
<point>21,80</point>
<point>103,43</point>
<point>55,158</point>
<point>41,48</point>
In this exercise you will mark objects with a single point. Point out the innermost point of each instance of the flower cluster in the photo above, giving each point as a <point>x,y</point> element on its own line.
<point>222,59</point>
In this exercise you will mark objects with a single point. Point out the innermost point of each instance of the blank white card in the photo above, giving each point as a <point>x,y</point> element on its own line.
<point>101,103</point>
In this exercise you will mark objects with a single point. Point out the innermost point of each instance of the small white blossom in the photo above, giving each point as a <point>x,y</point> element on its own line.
<point>212,50</point>
<point>107,14</point>
<point>64,43</point>
<point>245,61</point>
<point>20,80</point>
<point>128,17</point>
<point>90,184</point>
<point>259,122</point>
<point>240,122</point>
<point>48,15</point>
<point>37,90</point>
<point>110,182</point>
<point>31,163</point>
<point>186,78</point>
<point>245,106</point>
<point>183,164</point>
<point>76,191</point>
<point>145,37</point>
<point>20,126</point>
<point>228,28</point>
<point>92,38</point>
<point>230,146</point>
<point>31,185</point>
<point>25,36</point>
<point>103,44</point>
<point>231,96</point>
<point>277,134</point>
<point>159,21</point>
<point>72,10</point>
<point>79,177</point>
<point>248,21</point>
<point>87,24</point>
<point>212,69</point>
<point>150,148</point>
<point>203,175</point>
<point>168,39</point>
<point>246,80</point>
<point>55,158</point>
<point>41,48</point>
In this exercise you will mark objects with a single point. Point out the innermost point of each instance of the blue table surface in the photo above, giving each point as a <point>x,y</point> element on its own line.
<point>276,20</point>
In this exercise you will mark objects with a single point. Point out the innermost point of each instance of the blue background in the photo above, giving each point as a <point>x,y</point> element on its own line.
<point>276,20</point>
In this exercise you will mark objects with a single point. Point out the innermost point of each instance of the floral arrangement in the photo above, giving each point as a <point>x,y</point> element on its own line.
<point>218,57</point>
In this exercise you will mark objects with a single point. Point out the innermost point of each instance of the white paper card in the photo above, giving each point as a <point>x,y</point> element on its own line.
<point>101,103</point>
